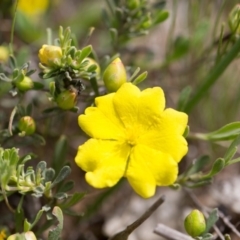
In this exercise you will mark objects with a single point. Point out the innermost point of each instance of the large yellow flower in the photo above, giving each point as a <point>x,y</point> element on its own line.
<point>132,136</point>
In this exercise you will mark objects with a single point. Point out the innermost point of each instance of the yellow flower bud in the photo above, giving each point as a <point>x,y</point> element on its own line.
<point>25,85</point>
<point>27,236</point>
<point>4,54</point>
<point>115,75</point>
<point>195,224</point>
<point>30,235</point>
<point>27,125</point>
<point>49,55</point>
<point>67,99</point>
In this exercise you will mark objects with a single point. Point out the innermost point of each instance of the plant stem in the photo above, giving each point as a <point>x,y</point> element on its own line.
<point>12,29</point>
<point>213,76</point>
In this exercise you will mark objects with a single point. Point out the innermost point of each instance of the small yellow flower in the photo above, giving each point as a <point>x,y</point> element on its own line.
<point>3,235</point>
<point>31,8</point>
<point>132,136</point>
<point>50,55</point>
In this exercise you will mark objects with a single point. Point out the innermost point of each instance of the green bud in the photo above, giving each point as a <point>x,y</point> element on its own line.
<point>25,85</point>
<point>67,99</point>
<point>132,4</point>
<point>115,75</point>
<point>234,19</point>
<point>195,224</point>
<point>27,125</point>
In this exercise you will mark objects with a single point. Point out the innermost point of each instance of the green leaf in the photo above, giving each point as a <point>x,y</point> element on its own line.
<point>49,175</point>
<point>73,200</point>
<point>227,132</point>
<point>218,165</point>
<point>140,78</point>
<point>113,34</point>
<point>232,149</point>
<point>19,216</point>
<point>4,78</point>
<point>41,166</point>
<point>55,233</point>
<point>60,153</point>
<point>66,186</point>
<point>183,98</point>
<point>199,183</point>
<point>61,196</point>
<point>37,85</point>
<point>160,17</point>
<point>85,52</point>
<point>65,171</point>
<point>211,220</point>
<point>27,226</point>
<point>197,165</point>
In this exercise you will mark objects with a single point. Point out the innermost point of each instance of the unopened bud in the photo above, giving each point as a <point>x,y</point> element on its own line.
<point>27,125</point>
<point>234,19</point>
<point>195,223</point>
<point>23,236</point>
<point>67,99</point>
<point>30,235</point>
<point>115,75</point>
<point>24,85</point>
<point>132,4</point>
<point>50,55</point>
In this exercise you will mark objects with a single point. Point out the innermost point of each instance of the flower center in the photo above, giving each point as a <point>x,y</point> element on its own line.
<point>132,136</point>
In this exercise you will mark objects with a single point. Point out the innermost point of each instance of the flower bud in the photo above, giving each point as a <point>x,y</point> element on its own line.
<point>67,99</point>
<point>132,4</point>
<point>4,54</point>
<point>27,125</point>
<point>26,236</point>
<point>115,75</point>
<point>195,223</point>
<point>234,18</point>
<point>24,85</point>
<point>50,55</point>
<point>30,235</point>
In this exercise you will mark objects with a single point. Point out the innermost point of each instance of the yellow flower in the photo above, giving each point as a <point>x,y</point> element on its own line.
<point>50,55</point>
<point>3,234</point>
<point>132,136</point>
<point>31,8</point>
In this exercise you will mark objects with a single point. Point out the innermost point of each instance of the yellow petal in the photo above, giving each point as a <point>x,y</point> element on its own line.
<point>98,125</point>
<point>104,161</point>
<point>126,101</point>
<point>148,168</point>
<point>151,106</point>
<point>105,105</point>
<point>166,136</point>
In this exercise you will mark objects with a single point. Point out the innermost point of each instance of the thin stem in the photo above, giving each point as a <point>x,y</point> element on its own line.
<point>12,29</point>
<point>213,76</point>
<point>219,13</point>
<point>172,26</point>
